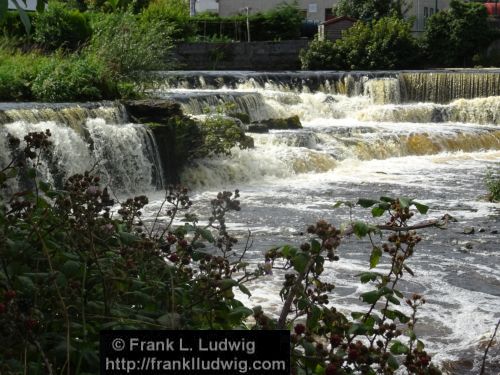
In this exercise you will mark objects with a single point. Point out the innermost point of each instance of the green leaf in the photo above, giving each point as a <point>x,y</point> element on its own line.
<point>389,314</point>
<point>300,261</point>
<point>205,234</point>
<point>40,5</point>
<point>244,289</point>
<point>411,334</point>
<point>375,256</point>
<point>288,251</point>
<point>387,199</point>
<point>392,362</point>
<point>371,297</point>
<point>45,187</point>
<point>31,172</point>
<point>315,247</point>
<point>377,211</point>
<point>405,202</point>
<point>402,317</point>
<point>313,318</point>
<point>71,268</point>
<point>26,284</point>
<point>357,315</point>
<point>128,238</point>
<point>357,329</point>
<point>422,208</point>
<point>399,348</point>
<point>368,276</point>
<point>408,269</point>
<point>240,312</point>
<point>360,228</point>
<point>227,283</point>
<point>392,299</point>
<point>420,346</point>
<point>365,203</point>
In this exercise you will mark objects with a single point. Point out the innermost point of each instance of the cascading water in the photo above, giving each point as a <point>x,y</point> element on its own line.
<point>85,138</point>
<point>427,135</point>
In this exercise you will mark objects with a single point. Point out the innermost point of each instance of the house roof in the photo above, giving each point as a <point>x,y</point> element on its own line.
<point>337,19</point>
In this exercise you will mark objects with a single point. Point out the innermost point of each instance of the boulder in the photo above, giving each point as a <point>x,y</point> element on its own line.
<point>152,110</point>
<point>263,126</point>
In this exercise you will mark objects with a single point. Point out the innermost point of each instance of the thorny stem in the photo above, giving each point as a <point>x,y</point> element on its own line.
<point>488,348</point>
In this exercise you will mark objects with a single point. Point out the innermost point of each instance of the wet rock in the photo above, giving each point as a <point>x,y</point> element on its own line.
<point>469,246</point>
<point>264,126</point>
<point>494,232</point>
<point>243,117</point>
<point>469,230</point>
<point>482,230</point>
<point>152,110</point>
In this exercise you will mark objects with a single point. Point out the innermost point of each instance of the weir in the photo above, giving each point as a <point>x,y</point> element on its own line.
<point>357,115</point>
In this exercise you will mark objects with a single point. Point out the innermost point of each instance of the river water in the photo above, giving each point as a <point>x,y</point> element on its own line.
<point>364,135</point>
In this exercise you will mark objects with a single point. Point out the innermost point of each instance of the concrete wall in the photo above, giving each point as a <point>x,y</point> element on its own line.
<point>282,55</point>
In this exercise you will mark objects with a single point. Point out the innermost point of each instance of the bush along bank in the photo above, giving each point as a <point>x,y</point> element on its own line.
<point>70,269</point>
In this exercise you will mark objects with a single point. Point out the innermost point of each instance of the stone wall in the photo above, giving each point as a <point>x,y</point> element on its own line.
<point>240,56</point>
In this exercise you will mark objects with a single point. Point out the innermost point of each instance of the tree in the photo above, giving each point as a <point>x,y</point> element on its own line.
<point>386,43</point>
<point>371,9</point>
<point>456,36</point>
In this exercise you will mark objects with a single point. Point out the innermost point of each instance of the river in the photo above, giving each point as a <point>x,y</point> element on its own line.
<point>426,135</point>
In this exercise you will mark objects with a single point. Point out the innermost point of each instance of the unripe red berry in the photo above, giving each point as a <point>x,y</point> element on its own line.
<point>10,294</point>
<point>331,369</point>
<point>174,258</point>
<point>335,340</point>
<point>300,329</point>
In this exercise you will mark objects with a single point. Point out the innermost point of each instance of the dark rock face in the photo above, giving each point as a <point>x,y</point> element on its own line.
<point>152,110</point>
<point>275,124</point>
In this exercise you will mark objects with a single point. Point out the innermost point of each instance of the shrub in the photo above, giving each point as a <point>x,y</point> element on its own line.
<point>383,44</point>
<point>12,26</point>
<point>71,268</point>
<point>71,79</point>
<point>17,72</point>
<point>171,16</point>
<point>453,37</point>
<point>368,10</point>
<point>128,45</point>
<point>492,181</point>
<point>61,27</point>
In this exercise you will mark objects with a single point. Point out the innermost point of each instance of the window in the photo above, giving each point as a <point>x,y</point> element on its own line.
<point>426,12</point>
<point>328,14</point>
<point>431,11</point>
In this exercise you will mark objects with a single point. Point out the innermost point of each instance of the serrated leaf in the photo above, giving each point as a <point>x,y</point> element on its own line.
<point>244,289</point>
<point>405,202</point>
<point>26,284</point>
<point>205,234</point>
<point>408,269</point>
<point>368,276</point>
<point>357,315</point>
<point>288,251</point>
<point>392,362</point>
<point>389,314</point>
<point>128,238</point>
<point>377,211</point>
<point>360,229</point>
<point>420,346</point>
<point>422,208</point>
<point>399,348</point>
<point>370,297</point>
<point>402,317</point>
<point>375,256</point>
<point>392,299</point>
<point>315,247</point>
<point>366,203</point>
<point>300,261</point>
<point>411,334</point>
<point>240,312</point>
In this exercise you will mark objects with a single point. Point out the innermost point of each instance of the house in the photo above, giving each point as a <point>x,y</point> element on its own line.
<point>211,6</point>
<point>421,10</point>
<point>313,10</point>
<point>332,28</point>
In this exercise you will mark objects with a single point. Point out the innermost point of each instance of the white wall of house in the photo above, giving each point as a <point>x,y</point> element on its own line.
<point>207,6</point>
<point>314,10</point>
<point>30,4</point>
<point>423,9</point>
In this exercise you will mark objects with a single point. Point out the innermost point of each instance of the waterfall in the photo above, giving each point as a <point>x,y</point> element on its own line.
<point>88,138</point>
<point>444,87</point>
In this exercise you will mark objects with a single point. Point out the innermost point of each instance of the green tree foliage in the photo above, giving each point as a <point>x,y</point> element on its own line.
<point>453,37</point>
<point>61,27</point>
<point>382,44</point>
<point>370,9</point>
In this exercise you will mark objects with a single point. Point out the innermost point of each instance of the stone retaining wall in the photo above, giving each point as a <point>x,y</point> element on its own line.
<point>241,55</point>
